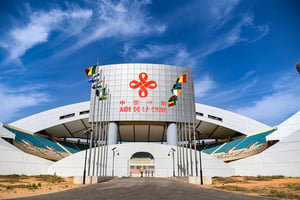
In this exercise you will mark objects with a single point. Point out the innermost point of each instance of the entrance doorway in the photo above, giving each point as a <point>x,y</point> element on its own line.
<point>144,161</point>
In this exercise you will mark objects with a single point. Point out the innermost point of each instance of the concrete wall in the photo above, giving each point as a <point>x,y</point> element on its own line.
<point>282,158</point>
<point>15,161</point>
<point>73,165</point>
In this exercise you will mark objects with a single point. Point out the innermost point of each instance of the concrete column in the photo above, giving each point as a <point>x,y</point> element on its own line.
<point>172,134</point>
<point>113,129</point>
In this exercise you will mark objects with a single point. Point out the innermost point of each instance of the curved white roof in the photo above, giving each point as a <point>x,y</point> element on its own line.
<point>75,115</point>
<point>225,119</point>
<point>72,120</point>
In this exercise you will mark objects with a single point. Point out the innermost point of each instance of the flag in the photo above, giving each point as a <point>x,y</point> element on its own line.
<point>173,98</point>
<point>177,86</point>
<point>104,94</point>
<point>97,85</point>
<point>176,92</point>
<point>181,79</point>
<point>95,78</point>
<point>171,103</point>
<point>103,97</point>
<point>91,70</point>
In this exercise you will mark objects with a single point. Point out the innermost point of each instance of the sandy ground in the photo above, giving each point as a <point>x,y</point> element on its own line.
<point>278,187</point>
<point>21,186</point>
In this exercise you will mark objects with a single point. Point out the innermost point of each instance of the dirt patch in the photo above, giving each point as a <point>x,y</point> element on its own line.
<point>269,186</point>
<point>13,186</point>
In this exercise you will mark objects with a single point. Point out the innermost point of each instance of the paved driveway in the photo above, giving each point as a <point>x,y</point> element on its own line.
<point>142,189</point>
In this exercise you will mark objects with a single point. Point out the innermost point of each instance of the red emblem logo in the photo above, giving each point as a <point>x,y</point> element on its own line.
<point>143,84</point>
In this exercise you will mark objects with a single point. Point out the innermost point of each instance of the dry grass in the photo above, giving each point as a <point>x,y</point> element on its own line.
<point>269,186</point>
<point>12,186</point>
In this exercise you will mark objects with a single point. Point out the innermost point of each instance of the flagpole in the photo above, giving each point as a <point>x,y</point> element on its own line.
<point>184,98</point>
<point>107,128</point>
<point>190,147</point>
<point>96,151</point>
<point>185,134</point>
<point>177,148</point>
<point>193,119</point>
<point>180,146</point>
<point>182,140</point>
<point>92,132</point>
<point>102,136</point>
<point>96,134</point>
<point>188,125</point>
<point>102,125</point>
<point>100,129</point>
<point>182,137</point>
<point>179,140</point>
<point>104,132</point>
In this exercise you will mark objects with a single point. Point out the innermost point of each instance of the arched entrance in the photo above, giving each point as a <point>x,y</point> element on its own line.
<point>143,160</point>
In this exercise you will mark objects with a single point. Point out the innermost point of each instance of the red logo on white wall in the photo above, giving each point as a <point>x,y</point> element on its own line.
<point>143,84</point>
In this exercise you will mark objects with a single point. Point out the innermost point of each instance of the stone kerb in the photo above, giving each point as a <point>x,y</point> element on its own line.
<point>91,179</point>
<point>207,180</point>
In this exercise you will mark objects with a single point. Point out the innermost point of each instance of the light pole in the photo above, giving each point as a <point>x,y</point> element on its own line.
<point>200,162</point>
<point>113,163</point>
<point>87,133</point>
<point>173,150</point>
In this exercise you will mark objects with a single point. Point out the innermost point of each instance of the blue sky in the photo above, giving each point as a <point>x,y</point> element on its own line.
<point>243,53</point>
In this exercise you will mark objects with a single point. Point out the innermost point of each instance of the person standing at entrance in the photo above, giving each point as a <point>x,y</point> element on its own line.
<point>142,171</point>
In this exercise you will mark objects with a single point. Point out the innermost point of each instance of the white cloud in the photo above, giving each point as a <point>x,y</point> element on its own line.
<point>219,93</point>
<point>203,86</point>
<point>221,12</point>
<point>166,53</point>
<point>13,100</point>
<point>40,24</point>
<point>248,74</point>
<point>277,106</point>
<point>120,19</point>
<point>239,34</point>
<point>272,109</point>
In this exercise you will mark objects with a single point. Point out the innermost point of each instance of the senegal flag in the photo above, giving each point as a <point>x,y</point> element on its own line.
<point>91,70</point>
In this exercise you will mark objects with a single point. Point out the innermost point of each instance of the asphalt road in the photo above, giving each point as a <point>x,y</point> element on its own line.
<point>142,189</point>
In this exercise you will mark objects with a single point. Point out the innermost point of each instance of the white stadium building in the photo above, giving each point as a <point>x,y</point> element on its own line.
<point>133,128</point>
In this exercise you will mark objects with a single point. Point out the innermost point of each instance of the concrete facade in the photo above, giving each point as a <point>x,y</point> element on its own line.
<point>73,165</point>
<point>282,158</point>
<point>140,92</point>
<point>15,161</point>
